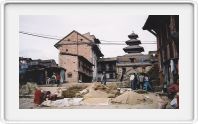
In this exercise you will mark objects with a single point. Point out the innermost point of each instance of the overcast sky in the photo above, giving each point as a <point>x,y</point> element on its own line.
<point>104,27</point>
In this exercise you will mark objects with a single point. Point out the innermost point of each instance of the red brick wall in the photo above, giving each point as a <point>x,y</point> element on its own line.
<point>83,49</point>
<point>70,62</point>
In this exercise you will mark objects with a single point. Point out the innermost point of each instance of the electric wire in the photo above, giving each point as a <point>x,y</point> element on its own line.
<point>105,42</point>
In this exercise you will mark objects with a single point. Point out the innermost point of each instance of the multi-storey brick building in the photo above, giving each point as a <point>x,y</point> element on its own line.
<point>79,54</point>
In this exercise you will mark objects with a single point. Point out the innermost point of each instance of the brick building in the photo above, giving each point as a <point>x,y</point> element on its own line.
<point>78,51</point>
<point>132,63</point>
<point>120,67</point>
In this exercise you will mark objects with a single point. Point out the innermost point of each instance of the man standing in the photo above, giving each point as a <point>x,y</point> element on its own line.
<point>53,78</point>
<point>141,81</point>
<point>133,80</point>
<point>147,84</point>
<point>58,79</point>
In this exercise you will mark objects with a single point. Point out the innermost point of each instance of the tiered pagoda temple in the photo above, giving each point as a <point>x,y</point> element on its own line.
<point>133,44</point>
<point>134,61</point>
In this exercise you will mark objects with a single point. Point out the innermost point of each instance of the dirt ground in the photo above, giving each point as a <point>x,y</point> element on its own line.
<point>97,96</point>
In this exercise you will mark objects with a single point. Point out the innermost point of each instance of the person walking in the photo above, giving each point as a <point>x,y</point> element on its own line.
<point>103,78</point>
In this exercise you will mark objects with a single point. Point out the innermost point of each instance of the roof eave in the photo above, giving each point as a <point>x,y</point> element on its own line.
<point>57,44</point>
<point>98,51</point>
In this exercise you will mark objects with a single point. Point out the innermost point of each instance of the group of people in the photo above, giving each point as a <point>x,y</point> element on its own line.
<point>140,81</point>
<point>41,96</point>
<point>55,79</point>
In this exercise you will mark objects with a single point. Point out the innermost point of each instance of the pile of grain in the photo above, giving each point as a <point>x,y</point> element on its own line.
<point>72,91</point>
<point>93,93</point>
<point>130,97</point>
<point>97,90</point>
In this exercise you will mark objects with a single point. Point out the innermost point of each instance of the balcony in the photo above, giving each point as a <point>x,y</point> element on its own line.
<point>106,69</point>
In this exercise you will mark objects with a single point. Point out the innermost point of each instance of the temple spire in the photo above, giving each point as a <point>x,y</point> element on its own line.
<point>133,44</point>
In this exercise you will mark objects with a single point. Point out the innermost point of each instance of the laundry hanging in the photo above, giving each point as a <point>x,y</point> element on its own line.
<point>172,66</point>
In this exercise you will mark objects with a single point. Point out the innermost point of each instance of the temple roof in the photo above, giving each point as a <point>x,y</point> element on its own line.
<point>134,49</point>
<point>133,42</point>
<point>133,36</point>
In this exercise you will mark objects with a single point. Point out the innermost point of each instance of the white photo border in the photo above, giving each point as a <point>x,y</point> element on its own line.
<point>3,54</point>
